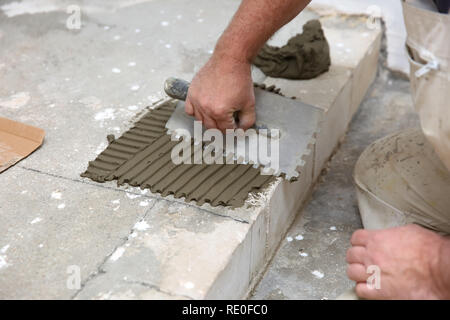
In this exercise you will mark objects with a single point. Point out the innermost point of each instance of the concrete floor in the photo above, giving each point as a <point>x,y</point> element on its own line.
<point>70,82</point>
<point>80,85</point>
<point>310,263</point>
<point>95,79</point>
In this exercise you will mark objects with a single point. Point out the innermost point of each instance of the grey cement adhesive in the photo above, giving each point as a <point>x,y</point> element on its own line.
<point>304,56</point>
<point>141,157</point>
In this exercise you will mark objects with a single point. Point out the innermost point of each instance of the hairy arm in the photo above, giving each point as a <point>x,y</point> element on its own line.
<point>224,85</point>
<point>254,23</point>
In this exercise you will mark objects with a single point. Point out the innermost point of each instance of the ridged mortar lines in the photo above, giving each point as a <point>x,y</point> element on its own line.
<point>141,157</point>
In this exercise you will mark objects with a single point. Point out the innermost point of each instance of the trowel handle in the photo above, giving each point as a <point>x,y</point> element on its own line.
<point>176,88</point>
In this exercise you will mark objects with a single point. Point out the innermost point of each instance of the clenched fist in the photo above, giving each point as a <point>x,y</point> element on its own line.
<point>222,87</point>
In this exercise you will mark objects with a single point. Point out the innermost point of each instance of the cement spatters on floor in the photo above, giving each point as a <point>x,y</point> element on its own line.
<point>72,81</point>
<point>51,225</point>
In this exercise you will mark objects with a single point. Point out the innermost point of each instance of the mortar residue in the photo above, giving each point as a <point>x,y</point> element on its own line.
<point>141,157</point>
<point>305,55</point>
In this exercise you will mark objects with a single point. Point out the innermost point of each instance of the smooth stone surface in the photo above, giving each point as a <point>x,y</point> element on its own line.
<point>48,224</point>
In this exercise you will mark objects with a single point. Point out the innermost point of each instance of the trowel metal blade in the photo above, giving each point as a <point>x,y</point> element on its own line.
<point>296,121</point>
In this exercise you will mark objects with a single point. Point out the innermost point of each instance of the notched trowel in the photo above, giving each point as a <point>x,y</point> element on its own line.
<point>296,122</point>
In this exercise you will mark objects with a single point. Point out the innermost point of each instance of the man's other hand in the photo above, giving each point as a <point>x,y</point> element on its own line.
<point>413,262</point>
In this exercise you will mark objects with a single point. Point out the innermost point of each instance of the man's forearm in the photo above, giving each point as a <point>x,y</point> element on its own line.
<point>254,23</point>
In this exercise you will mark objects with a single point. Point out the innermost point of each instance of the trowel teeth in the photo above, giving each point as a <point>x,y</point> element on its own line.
<point>299,169</point>
<point>174,136</point>
<point>206,148</point>
<point>276,173</point>
<point>292,175</point>
<point>267,171</point>
<point>240,159</point>
<point>301,163</point>
<point>228,158</point>
<point>228,154</point>
<point>177,134</point>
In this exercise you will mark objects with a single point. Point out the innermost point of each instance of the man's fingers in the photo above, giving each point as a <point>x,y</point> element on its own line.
<point>208,122</point>
<point>363,291</point>
<point>220,118</point>
<point>356,254</point>
<point>198,114</point>
<point>188,108</point>
<point>247,118</point>
<point>357,272</point>
<point>223,117</point>
<point>360,237</point>
<point>226,123</point>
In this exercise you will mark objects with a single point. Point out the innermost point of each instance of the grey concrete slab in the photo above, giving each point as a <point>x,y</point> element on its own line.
<point>80,85</point>
<point>48,224</point>
<point>180,250</point>
<point>314,267</point>
<point>131,290</point>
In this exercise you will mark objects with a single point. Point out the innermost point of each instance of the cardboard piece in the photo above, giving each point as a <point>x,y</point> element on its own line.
<point>17,141</point>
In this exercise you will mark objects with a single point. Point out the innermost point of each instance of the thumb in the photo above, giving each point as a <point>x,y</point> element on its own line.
<point>247,117</point>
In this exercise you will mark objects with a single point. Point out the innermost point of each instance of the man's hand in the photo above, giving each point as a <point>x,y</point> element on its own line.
<point>413,263</point>
<point>223,86</point>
